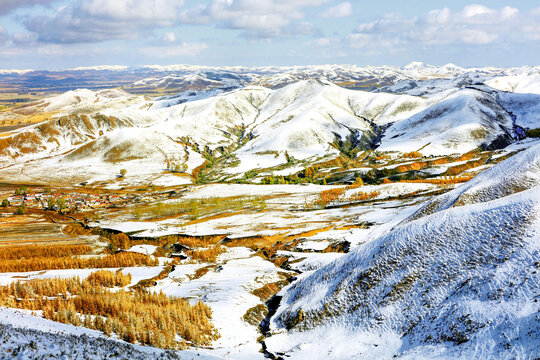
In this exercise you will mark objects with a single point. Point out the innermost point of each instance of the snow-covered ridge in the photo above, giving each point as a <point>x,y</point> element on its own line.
<point>460,283</point>
<point>101,68</point>
<point>258,126</point>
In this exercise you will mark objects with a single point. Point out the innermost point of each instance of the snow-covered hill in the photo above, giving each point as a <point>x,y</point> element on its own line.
<point>461,281</point>
<point>260,127</point>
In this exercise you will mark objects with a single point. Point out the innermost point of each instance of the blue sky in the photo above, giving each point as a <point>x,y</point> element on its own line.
<point>59,34</point>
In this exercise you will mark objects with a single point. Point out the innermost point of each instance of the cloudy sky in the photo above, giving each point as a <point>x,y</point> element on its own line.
<point>57,34</point>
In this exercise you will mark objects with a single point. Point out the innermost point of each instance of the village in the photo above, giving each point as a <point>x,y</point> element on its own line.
<point>70,202</point>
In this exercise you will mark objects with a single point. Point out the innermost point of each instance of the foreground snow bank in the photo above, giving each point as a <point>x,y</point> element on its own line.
<point>23,336</point>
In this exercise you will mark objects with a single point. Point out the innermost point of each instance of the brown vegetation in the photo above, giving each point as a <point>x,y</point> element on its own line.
<point>362,196</point>
<point>413,154</point>
<point>122,259</point>
<point>119,241</point>
<point>206,255</point>
<point>445,181</point>
<point>109,279</point>
<point>147,318</point>
<point>334,196</point>
<point>458,169</point>
<point>48,251</point>
<point>412,166</point>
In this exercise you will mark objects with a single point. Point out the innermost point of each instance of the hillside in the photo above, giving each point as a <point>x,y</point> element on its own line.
<point>251,128</point>
<point>455,281</point>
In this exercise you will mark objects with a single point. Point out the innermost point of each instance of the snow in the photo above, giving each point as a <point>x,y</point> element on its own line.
<point>143,249</point>
<point>260,126</point>
<point>313,245</point>
<point>459,123</point>
<point>227,291</point>
<point>524,83</point>
<point>25,336</point>
<point>415,289</point>
<point>137,274</point>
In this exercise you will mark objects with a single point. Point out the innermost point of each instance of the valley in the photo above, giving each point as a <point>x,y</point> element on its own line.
<point>248,213</point>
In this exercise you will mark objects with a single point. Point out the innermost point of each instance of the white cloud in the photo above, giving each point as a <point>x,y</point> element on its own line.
<point>322,42</point>
<point>169,37</point>
<point>7,6</point>
<point>24,38</point>
<point>343,9</point>
<point>4,36</point>
<point>479,37</point>
<point>182,49</point>
<point>130,10</point>
<point>101,20</point>
<point>258,19</point>
<point>474,24</point>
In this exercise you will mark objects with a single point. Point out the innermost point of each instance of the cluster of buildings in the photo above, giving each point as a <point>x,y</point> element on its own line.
<point>82,201</point>
<point>71,201</point>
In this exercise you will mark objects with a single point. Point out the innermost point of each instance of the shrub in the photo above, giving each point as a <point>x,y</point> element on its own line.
<point>122,259</point>
<point>120,241</point>
<point>20,191</point>
<point>329,196</point>
<point>61,203</point>
<point>109,279</point>
<point>533,132</point>
<point>148,318</point>
<point>5,203</point>
<point>42,251</point>
<point>445,181</point>
<point>413,166</point>
<point>21,210</point>
<point>206,255</point>
<point>363,196</point>
<point>123,172</point>
<point>413,154</point>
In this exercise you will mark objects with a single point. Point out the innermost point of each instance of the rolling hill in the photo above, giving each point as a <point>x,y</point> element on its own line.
<point>241,128</point>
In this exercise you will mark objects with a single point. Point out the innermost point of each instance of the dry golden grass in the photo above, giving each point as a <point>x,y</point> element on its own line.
<point>413,166</point>
<point>362,196</point>
<point>147,318</point>
<point>122,259</point>
<point>198,241</point>
<point>329,196</point>
<point>119,241</point>
<point>42,251</point>
<point>446,181</point>
<point>337,196</point>
<point>206,255</point>
<point>413,154</point>
<point>458,169</point>
<point>109,279</point>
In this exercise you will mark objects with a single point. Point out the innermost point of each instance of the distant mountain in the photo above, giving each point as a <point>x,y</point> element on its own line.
<point>189,77</point>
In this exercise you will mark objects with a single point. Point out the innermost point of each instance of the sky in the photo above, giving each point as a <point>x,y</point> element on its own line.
<point>64,34</point>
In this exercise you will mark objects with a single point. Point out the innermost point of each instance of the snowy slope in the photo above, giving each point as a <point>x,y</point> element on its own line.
<point>460,122</point>
<point>80,101</point>
<point>518,174</point>
<point>524,83</point>
<point>306,120</point>
<point>460,283</point>
<point>525,107</point>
